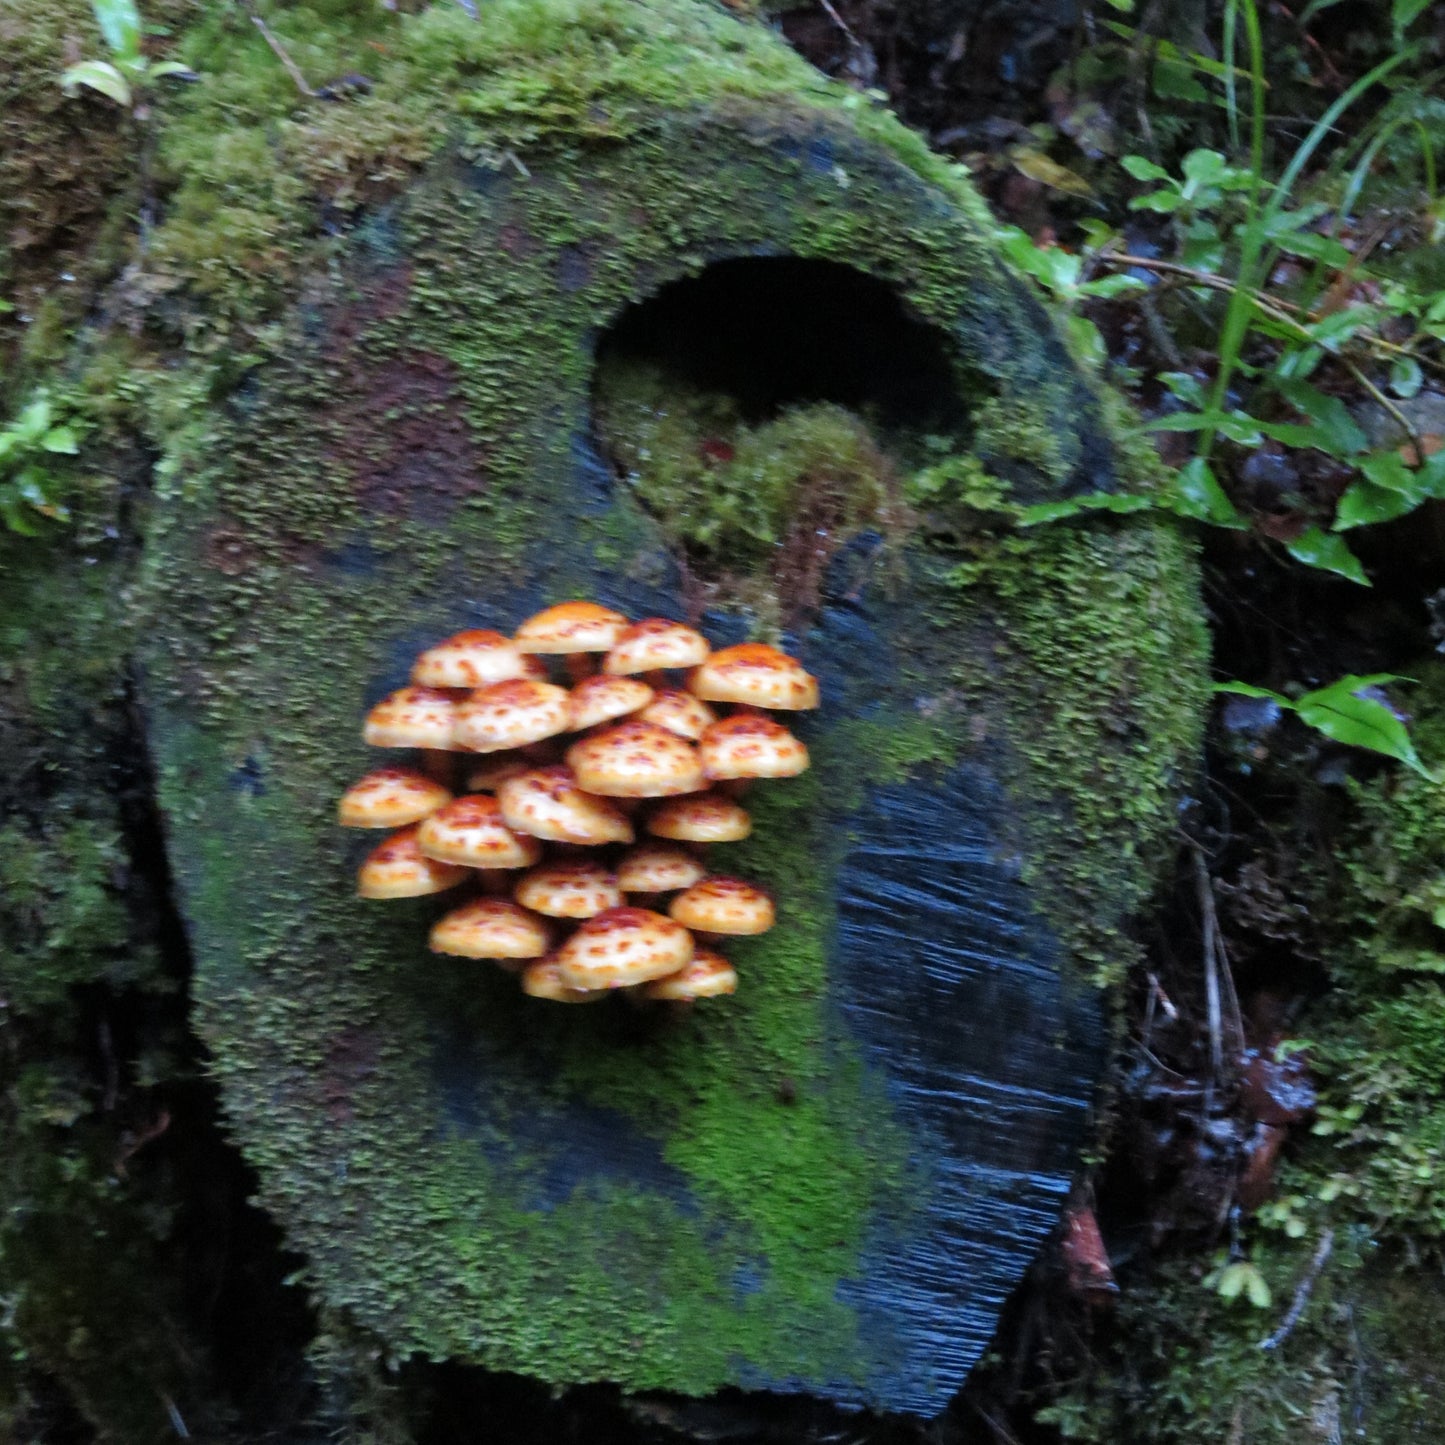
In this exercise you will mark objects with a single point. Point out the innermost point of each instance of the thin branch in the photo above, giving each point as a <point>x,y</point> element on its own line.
<point>292,69</point>
<point>1275,307</point>
<point>1217,977</point>
<point>842,24</point>
<point>1302,1293</point>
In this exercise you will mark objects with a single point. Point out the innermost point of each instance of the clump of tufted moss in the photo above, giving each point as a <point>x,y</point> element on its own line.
<point>728,487</point>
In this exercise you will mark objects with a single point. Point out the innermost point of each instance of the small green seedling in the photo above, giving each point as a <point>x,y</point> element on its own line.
<point>128,76</point>
<point>27,483</point>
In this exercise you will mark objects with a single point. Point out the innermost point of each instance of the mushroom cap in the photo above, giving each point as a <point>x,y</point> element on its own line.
<point>470,830</point>
<point>509,714</point>
<point>708,975</point>
<point>390,798</point>
<point>569,888</point>
<point>700,818</point>
<point>679,712</point>
<point>635,760</point>
<point>657,868</point>
<point>756,675</point>
<point>543,979</point>
<point>571,627</point>
<point>724,905</point>
<point>750,745</point>
<point>399,869</point>
<point>488,776</point>
<point>600,699</point>
<point>412,717</point>
<point>475,658</point>
<point>623,946</point>
<point>490,928</point>
<point>653,643</point>
<point>547,803</point>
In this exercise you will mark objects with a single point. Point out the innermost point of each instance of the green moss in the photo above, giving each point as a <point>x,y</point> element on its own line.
<point>1097,699</point>
<point>726,488</point>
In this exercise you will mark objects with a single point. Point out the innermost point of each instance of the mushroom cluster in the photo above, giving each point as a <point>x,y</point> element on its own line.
<point>521,776</point>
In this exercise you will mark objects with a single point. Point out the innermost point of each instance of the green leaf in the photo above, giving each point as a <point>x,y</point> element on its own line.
<point>1406,378</point>
<point>1387,469</point>
<point>99,75</point>
<point>1325,550</point>
<point>1258,1290</point>
<point>1403,13</point>
<point>1197,494</point>
<point>1363,504</point>
<point>119,22</point>
<point>1116,285</point>
<point>1143,169</point>
<point>1314,248</point>
<point>1345,436</point>
<point>1237,426</point>
<point>1119,502</point>
<point>1248,689</point>
<point>60,439</point>
<point>163,68</point>
<point>1341,714</point>
<point>1037,166</point>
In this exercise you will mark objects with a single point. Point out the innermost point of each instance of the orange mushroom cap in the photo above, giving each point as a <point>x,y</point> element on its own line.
<point>756,675</point>
<point>570,888</point>
<point>655,643</point>
<point>601,699</point>
<point>547,803</point>
<point>700,818</point>
<point>724,905</point>
<point>390,798</point>
<point>707,976</point>
<point>470,830</point>
<point>750,745</point>
<point>635,760</point>
<point>509,714</point>
<point>543,979</point>
<point>623,946</point>
<point>571,627</point>
<point>399,869</point>
<point>475,658</point>
<point>413,717</point>
<point>490,928</point>
<point>679,712</point>
<point>656,868</point>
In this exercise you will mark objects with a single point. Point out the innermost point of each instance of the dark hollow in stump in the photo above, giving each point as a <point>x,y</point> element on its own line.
<point>829,1182</point>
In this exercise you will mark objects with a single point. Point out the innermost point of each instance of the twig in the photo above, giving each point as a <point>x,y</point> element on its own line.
<point>1217,977</point>
<point>842,24</point>
<point>1275,307</point>
<point>1302,1293</point>
<point>1400,419</point>
<point>292,69</point>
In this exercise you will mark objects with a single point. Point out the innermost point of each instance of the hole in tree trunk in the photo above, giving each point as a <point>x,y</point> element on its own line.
<point>765,410</point>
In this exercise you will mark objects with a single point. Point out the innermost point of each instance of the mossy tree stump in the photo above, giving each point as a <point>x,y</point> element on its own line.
<point>830,1182</point>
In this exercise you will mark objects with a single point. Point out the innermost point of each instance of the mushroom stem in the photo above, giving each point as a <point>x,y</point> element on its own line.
<point>580,665</point>
<point>440,765</point>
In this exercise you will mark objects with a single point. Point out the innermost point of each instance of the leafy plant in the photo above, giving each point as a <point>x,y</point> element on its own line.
<point>28,486</point>
<point>1295,316</point>
<point>1351,711</point>
<point>1240,1279</point>
<point>128,76</point>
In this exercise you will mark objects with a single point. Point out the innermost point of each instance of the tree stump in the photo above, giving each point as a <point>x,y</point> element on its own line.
<point>830,1182</point>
